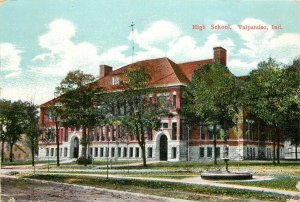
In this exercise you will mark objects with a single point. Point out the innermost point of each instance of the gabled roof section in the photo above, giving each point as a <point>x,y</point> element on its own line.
<point>188,68</point>
<point>162,71</point>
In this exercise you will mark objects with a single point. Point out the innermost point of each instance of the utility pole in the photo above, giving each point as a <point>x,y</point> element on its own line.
<point>132,37</point>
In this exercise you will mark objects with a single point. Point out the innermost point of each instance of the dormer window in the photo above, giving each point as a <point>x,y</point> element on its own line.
<point>116,80</point>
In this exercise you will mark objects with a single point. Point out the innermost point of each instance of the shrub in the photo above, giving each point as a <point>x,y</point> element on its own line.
<point>80,160</point>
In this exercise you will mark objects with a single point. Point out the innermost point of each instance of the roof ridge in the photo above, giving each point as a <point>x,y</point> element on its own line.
<point>194,61</point>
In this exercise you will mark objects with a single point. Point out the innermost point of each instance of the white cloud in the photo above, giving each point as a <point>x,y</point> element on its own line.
<point>186,48</point>
<point>63,54</point>
<point>115,56</point>
<point>260,44</point>
<point>241,68</point>
<point>10,59</point>
<point>13,75</point>
<point>165,39</point>
<point>161,31</point>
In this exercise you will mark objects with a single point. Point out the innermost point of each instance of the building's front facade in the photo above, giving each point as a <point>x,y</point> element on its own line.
<point>173,141</point>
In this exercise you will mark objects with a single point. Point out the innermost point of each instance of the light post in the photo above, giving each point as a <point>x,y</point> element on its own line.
<point>214,129</point>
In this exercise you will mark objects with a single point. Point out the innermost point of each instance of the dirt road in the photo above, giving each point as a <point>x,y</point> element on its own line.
<point>33,190</point>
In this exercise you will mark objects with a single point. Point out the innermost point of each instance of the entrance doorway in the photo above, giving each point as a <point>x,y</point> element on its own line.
<point>163,148</point>
<point>76,147</point>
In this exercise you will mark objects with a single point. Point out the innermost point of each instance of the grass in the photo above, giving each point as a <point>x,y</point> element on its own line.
<point>17,163</point>
<point>282,183</point>
<point>168,189</point>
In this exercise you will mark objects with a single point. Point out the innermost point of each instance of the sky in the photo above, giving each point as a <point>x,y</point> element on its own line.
<point>41,41</point>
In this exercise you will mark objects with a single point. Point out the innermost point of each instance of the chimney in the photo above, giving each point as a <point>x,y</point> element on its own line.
<point>220,54</point>
<point>104,70</point>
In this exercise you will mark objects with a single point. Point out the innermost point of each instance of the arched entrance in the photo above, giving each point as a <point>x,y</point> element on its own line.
<point>75,147</point>
<point>163,148</point>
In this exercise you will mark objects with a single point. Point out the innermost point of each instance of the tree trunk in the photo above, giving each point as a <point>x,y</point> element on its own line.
<point>57,142</point>
<point>140,136</point>
<point>273,152</point>
<point>144,155</point>
<point>296,150</point>
<point>215,148</point>
<point>32,155</point>
<point>278,145</point>
<point>11,153</point>
<point>297,142</point>
<point>2,152</point>
<point>84,144</point>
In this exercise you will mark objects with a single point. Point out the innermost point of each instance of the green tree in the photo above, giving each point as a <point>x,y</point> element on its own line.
<point>77,99</point>
<point>267,95</point>
<point>213,98</point>
<point>56,112</point>
<point>4,107</point>
<point>292,120</point>
<point>32,128</point>
<point>15,124</point>
<point>142,116</point>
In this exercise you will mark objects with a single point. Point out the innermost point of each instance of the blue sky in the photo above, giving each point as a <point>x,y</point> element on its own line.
<point>40,41</point>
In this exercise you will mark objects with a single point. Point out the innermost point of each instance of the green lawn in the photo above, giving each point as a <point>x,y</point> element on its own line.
<point>175,190</point>
<point>17,163</point>
<point>282,183</point>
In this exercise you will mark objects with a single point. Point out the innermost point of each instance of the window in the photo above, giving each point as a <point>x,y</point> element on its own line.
<point>150,103</point>
<point>113,152</point>
<point>122,106</point>
<point>114,133</point>
<point>225,152</point>
<point>174,101</point>
<point>47,151</point>
<point>131,136</point>
<point>91,152</point>
<point>102,134</point>
<point>202,131</point>
<point>201,152</point>
<point>101,151</point>
<point>106,152</point>
<point>165,125</point>
<point>149,152</point>
<point>107,132</point>
<point>210,135</point>
<point>137,152</point>
<point>49,116</point>
<point>116,80</point>
<point>120,132</point>
<point>131,152</point>
<point>209,152</point>
<point>119,151</point>
<point>97,134</point>
<point>174,131</point>
<point>66,135</point>
<point>91,134</point>
<point>52,151</point>
<point>65,151</point>
<point>163,101</point>
<point>173,152</point>
<point>150,135</point>
<point>124,152</point>
<point>218,152</point>
<point>96,152</point>
<point>60,152</point>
